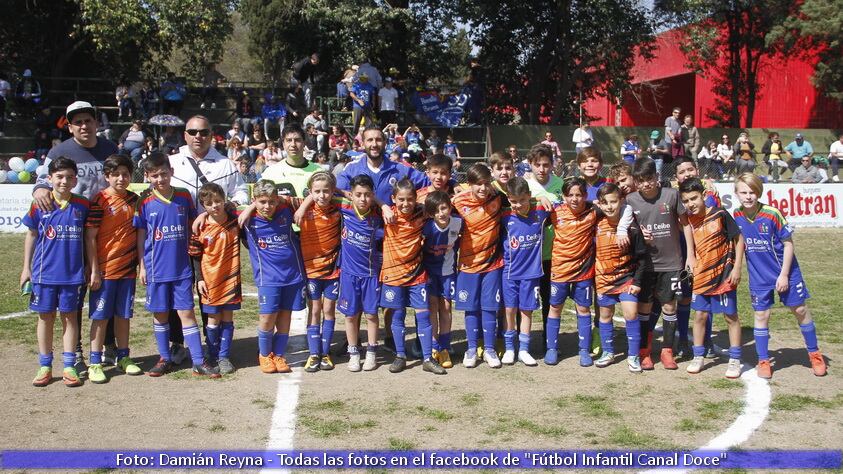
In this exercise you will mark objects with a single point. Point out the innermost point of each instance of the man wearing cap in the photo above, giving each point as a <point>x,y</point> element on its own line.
<point>363,96</point>
<point>88,152</point>
<point>387,100</point>
<point>659,151</point>
<point>798,149</point>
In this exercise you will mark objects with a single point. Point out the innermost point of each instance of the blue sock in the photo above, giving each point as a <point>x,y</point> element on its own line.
<point>683,319</point>
<point>735,352</point>
<point>122,353</point>
<point>584,331</point>
<point>226,336</point>
<point>194,342</point>
<point>633,337</point>
<point>709,329</point>
<point>162,339</point>
<point>490,324</point>
<point>552,332</point>
<point>435,344</point>
<point>425,332</point>
<point>213,340</point>
<point>279,343</point>
<point>444,341</point>
<point>699,351</point>
<point>762,340</point>
<point>46,360</point>
<point>264,342</point>
<point>809,333</point>
<point>313,341</point>
<point>327,335</point>
<point>472,329</point>
<point>606,336</point>
<point>524,341</point>
<point>96,357</point>
<point>509,339</point>
<point>398,330</point>
<point>69,358</point>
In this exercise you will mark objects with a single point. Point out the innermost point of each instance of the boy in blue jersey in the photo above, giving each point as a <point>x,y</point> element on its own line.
<point>441,238</point>
<point>53,263</point>
<point>772,268</point>
<point>522,226</point>
<point>275,254</point>
<point>589,163</point>
<point>163,219</point>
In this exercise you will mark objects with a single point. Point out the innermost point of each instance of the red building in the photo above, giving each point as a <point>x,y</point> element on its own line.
<point>787,98</point>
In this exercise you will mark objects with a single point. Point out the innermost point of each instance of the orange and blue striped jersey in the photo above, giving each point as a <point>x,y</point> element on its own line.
<point>573,256</point>
<point>480,249</point>
<point>615,269</point>
<point>402,249</point>
<point>714,247</point>
<point>117,249</point>
<point>320,240</point>
<point>217,246</point>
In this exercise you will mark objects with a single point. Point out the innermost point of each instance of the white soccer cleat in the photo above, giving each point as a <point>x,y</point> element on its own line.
<point>527,359</point>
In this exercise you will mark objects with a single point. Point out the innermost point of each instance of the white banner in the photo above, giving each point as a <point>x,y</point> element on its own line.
<point>15,200</point>
<point>803,205</point>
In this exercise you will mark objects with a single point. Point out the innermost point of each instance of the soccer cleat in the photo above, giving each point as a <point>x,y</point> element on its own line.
<point>371,362</point>
<point>398,365</point>
<point>71,377</point>
<point>267,363</point>
<point>326,363</point>
<point>596,343</point>
<point>646,359</point>
<point>527,359</point>
<point>96,374</point>
<point>733,370</point>
<point>817,363</point>
<point>480,352</point>
<point>435,354</point>
<point>312,364</point>
<point>551,357</point>
<point>128,366</point>
<point>109,356</point>
<point>444,359</point>
<point>667,359</point>
<point>281,365</point>
<point>160,368</point>
<point>634,364</point>
<point>764,370</point>
<point>225,365</point>
<point>432,365</point>
<point>696,365</point>
<point>508,357</point>
<point>43,377</point>
<point>683,350</point>
<point>605,360</point>
<point>469,360</point>
<point>492,359</point>
<point>354,362</point>
<point>585,359</point>
<point>178,354</point>
<point>79,364</point>
<point>206,370</point>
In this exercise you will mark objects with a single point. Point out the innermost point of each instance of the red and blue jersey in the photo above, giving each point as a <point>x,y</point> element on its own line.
<point>362,241</point>
<point>58,257</point>
<point>439,253</point>
<point>274,249</point>
<point>764,248</point>
<point>167,224</point>
<point>522,242</point>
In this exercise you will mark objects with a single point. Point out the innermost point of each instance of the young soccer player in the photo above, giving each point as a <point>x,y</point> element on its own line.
<point>621,174</point>
<point>163,220</point>
<point>451,149</point>
<point>478,290</point>
<point>590,162</point>
<point>275,254</point>
<point>523,228</point>
<point>772,268</point>
<point>719,249</point>
<point>112,247</point>
<point>661,215</point>
<point>441,238</point>
<point>404,277</point>
<point>502,170</point>
<point>216,257</point>
<point>619,276</point>
<point>53,262</point>
<point>439,173</point>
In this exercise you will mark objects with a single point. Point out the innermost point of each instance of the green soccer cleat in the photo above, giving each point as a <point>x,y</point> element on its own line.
<point>96,374</point>
<point>128,366</point>
<point>43,376</point>
<point>71,377</point>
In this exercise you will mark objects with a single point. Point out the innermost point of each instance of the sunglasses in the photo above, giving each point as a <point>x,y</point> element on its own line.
<point>202,132</point>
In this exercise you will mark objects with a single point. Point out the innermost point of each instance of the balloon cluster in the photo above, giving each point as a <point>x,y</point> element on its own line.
<point>22,171</point>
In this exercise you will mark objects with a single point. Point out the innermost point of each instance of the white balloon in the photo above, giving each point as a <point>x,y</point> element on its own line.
<point>2,177</point>
<point>16,164</point>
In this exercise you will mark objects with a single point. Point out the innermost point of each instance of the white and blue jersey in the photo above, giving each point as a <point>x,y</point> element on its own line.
<point>439,254</point>
<point>361,242</point>
<point>384,178</point>
<point>365,92</point>
<point>522,242</point>
<point>58,257</point>
<point>167,224</point>
<point>274,249</point>
<point>764,247</point>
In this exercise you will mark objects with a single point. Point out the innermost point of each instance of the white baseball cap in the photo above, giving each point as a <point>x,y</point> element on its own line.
<point>78,107</point>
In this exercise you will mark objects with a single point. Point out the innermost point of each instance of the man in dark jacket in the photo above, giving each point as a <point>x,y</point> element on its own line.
<point>304,73</point>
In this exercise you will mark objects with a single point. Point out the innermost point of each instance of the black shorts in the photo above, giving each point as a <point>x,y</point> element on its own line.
<point>648,284</point>
<point>663,287</point>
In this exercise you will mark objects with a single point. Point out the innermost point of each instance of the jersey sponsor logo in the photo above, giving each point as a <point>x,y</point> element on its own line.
<point>763,227</point>
<point>664,208</point>
<point>513,243</point>
<point>158,234</point>
<point>50,233</point>
<point>344,233</point>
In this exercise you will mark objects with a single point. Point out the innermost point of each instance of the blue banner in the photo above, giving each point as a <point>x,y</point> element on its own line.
<point>497,459</point>
<point>446,110</point>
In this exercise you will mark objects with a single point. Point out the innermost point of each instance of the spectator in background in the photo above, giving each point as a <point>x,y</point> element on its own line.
<point>28,94</point>
<point>210,85</point>
<point>5,88</point>
<point>148,148</point>
<point>672,126</point>
<point>776,164</point>
<point>338,143</point>
<point>807,173</point>
<point>245,113</point>
<point>132,140</point>
<point>171,140</point>
<point>42,143</point>
<point>344,87</point>
<point>690,137</point>
<point>104,126</point>
<point>413,135</point>
<point>173,93</point>
<point>835,154</point>
<point>765,149</point>
<point>797,149</point>
<point>149,100</point>
<point>271,154</point>
<point>677,147</point>
<point>235,132</point>
<point>452,150</point>
<point>339,165</point>
<point>726,154</point>
<point>236,150</point>
<point>630,149</point>
<point>273,112</point>
<point>582,137</point>
<point>371,73</point>
<point>709,162</point>
<point>320,127</point>
<point>433,142</point>
<point>256,144</point>
<point>125,95</point>
<point>304,75</point>
<point>390,132</point>
<point>554,147</point>
<point>388,102</point>
<point>311,144</point>
<point>659,151</point>
<point>822,169</point>
<point>245,171</point>
<point>363,94</point>
<point>744,152</point>
<point>296,107</point>
<point>322,160</point>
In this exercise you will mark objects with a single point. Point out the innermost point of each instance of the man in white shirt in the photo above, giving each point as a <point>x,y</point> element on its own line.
<point>387,99</point>
<point>835,154</point>
<point>583,137</point>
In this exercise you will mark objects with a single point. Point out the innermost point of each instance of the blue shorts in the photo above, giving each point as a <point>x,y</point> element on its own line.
<point>47,298</point>
<point>521,294</point>
<point>209,309</point>
<point>272,299</point>
<point>399,297</point>
<point>579,291</point>
<point>727,303</point>
<point>316,289</point>
<point>165,296</point>
<point>795,295</point>
<point>479,291</point>
<point>607,301</point>
<point>358,294</point>
<point>114,298</point>
<point>441,286</point>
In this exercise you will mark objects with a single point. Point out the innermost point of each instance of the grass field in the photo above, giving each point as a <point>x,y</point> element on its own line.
<point>515,407</point>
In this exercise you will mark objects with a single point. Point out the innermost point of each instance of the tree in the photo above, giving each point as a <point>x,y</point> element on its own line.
<point>817,27</point>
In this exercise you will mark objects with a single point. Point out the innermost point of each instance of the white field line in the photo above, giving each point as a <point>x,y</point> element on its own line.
<point>16,315</point>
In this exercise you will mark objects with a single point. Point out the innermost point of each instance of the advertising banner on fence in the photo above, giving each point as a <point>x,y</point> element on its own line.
<point>14,203</point>
<point>804,205</point>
